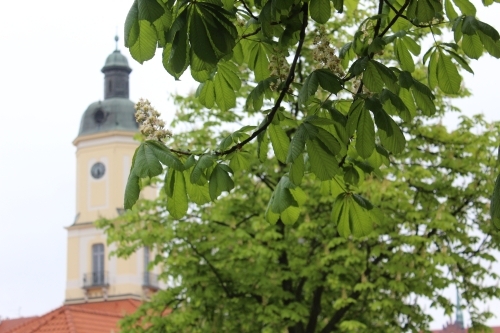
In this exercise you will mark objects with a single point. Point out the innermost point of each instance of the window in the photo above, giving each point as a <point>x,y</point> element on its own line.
<point>98,264</point>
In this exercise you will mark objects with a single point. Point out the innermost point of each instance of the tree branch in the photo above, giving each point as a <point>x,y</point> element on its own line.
<point>284,90</point>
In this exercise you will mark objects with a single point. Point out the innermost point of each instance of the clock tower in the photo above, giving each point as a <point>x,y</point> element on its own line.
<point>104,151</point>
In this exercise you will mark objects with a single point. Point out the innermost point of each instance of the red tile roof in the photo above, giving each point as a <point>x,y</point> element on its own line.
<point>99,317</point>
<point>9,324</point>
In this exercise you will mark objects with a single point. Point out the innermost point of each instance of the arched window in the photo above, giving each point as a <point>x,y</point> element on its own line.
<point>98,264</point>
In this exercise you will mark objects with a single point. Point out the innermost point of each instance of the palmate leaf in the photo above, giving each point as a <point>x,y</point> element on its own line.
<point>449,80</point>
<point>351,214</point>
<point>211,34</point>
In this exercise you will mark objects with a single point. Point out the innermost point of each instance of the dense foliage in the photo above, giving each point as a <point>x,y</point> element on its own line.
<point>308,185</point>
<point>324,82</point>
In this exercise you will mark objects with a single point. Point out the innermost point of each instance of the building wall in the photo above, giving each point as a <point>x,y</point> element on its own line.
<point>102,198</point>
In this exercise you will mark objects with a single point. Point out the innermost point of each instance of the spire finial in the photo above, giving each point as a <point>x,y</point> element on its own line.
<point>116,41</point>
<point>459,319</point>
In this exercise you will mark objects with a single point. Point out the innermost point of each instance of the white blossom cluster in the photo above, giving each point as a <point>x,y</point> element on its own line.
<point>279,67</point>
<point>150,125</point>
<point>324,54</point>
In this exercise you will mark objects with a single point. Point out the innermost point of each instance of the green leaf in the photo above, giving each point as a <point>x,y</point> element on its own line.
<point>178,57</point>
<point>403,56</point>
<point>177,203</point>
<point>372,78</point>
<point>355,110</point>
<point>449,80</point>
<point>225,96</point>
<point>297,170</point>
<point>197,193</point>
<point>432,70</point>
<point>461,61</point>
<point>205,162</point>
<point>472,46</point>
<point>323,164</point>
<point>146,163</point>
<point>262,146</point>
<point>466,7</point>
<point>164,155</point>
<point>279,141</point>
<point>256,97</point>
<point>320,10</point>
<point>145,44</point>
<point>132,29</point>
<point>329,81</point>
<point>220,181</point>
<point>365,137</point>
<point>423,98</point>
<point>495,204</point>
<point>450,10</point>
<point>290,215</point>
<point>411,45</point>
<point>492,47</point>
<point>351,175</point>
<point>389,132</point>
<point>351,215</point>
<point>297,144</point>
<point>206,94</point>
<point>359,66</point>
<point>132,191</point>
<point>282,197</point>
<point>239,161</point>
<point>149,10</point>
<point>309,87</point>
<point>258,61</point>
<point>199,38</point>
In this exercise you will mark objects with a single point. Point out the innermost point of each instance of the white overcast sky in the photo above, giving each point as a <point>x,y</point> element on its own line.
<point>51,53</point>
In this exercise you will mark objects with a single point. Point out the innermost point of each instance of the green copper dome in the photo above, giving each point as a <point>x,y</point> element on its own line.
<point>116,112</point>
<point>116,60</point>
<point>113,114</point>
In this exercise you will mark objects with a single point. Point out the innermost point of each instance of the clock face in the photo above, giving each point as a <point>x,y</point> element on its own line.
<point>97,170</point>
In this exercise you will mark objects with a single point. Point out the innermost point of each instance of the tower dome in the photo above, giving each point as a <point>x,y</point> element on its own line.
<point>116,111</point>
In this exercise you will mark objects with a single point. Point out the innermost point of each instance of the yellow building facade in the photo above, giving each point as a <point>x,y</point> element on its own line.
<point>104,151</point>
